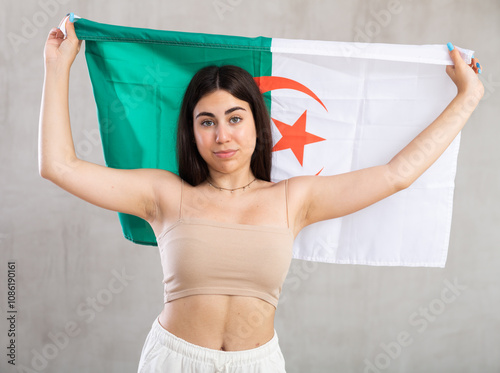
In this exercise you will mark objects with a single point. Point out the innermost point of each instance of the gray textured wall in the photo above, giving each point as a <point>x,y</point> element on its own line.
<point>331,317</point>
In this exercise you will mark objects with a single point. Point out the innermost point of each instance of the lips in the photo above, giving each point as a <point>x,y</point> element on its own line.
<point>225,153</point>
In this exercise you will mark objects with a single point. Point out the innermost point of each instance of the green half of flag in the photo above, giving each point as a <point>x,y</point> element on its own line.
<point>139,77</point>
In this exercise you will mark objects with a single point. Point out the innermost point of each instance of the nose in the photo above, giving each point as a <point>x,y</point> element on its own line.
<point>223,134</point>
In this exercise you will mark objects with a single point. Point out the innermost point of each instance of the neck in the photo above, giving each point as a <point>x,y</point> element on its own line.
<point>230,181</point>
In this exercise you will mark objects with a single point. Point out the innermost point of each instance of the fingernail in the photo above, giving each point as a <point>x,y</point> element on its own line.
<point>450,46</point>
<point>479,71</point>
<point>477,64</point>
<point>472,56</point>
<point>71,17</point>
<point>67,14</point>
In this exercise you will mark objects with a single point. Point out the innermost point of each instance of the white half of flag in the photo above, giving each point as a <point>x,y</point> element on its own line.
<point>370,101</point>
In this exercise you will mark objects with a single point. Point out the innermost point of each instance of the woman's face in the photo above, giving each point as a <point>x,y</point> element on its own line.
<point>224,131</point>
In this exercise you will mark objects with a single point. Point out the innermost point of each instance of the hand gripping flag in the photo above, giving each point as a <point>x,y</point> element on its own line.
<point>335,107</point>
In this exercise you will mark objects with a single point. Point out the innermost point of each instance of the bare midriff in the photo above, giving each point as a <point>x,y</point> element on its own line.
<point>220,322</point>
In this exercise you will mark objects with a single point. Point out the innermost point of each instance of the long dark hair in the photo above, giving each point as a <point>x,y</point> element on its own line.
<point>239,83</point>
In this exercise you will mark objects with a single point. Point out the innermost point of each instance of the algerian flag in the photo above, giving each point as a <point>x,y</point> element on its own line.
<point>335,107</point>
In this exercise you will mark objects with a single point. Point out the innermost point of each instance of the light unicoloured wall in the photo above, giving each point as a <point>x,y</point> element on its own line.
<point>331,317</point>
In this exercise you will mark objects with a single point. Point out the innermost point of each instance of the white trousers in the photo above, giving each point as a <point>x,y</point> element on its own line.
<point>164,352</point>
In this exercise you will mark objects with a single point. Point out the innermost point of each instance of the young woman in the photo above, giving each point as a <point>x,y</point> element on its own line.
<point>224,231</point>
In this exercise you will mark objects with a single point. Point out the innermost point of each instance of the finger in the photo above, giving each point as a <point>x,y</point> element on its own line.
<point>457,58</point>
<point>55,33</point>
<point>472,64</point>
<point>70,30</point>
<point>477,66</point>
<point>64,25</point>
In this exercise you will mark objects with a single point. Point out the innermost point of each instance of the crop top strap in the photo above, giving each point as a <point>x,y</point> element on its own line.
<point>286,197</point>
<point>180,204</point>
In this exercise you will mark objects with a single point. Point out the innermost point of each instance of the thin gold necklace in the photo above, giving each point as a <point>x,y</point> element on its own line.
<point>231,190</point>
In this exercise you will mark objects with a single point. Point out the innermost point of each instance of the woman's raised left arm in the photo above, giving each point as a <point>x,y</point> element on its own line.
<point>330,197</point>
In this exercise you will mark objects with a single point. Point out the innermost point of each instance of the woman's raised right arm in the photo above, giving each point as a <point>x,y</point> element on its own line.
<point>133,192</point>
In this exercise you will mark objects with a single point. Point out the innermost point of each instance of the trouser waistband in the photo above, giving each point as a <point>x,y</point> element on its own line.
<point>208,355</point>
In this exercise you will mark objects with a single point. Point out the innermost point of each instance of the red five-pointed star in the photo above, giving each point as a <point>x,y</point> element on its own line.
<point>295,137</point>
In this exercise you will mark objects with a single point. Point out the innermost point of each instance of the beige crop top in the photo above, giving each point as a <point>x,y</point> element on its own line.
<point>201,256</point>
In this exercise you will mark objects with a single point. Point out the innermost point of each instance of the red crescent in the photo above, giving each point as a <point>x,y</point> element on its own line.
<point>270,83</point>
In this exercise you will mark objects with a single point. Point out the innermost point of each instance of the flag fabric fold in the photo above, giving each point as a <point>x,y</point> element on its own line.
<point>334,107</point>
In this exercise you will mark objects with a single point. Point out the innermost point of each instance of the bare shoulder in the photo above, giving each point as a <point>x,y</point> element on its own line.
<point>300,186</point>
<point>296,187</point>
<point>298,194</point>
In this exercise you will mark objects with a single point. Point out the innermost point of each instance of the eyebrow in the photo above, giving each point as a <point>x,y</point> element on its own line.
<point>228,111</point>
